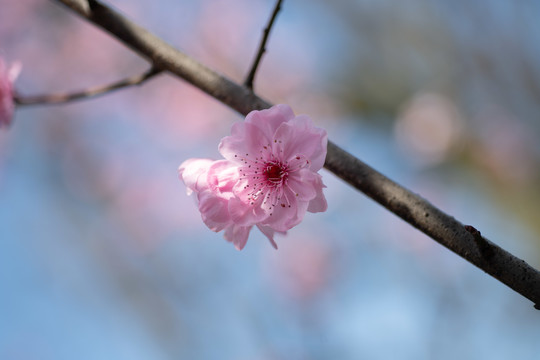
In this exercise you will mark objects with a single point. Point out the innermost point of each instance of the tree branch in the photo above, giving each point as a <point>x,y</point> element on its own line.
<point>84,94</point>
<point>418,212</point>
<point>262,47</point>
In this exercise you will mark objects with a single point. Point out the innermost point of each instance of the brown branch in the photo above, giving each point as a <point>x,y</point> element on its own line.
<point>262,47</point>
<point>84,94</point>
<point>418,212</point>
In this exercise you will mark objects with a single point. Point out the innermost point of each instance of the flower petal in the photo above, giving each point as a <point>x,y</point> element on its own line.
<point>318,204</point>
<point>284,212</point>
<point>300,136</point>
<point>269,233</point>
<point>193,173</point>
<point>238,235</point>
<point>222,176</point>
<point>301,209</point>
<point>245,145</point>
<point>303,185</point>
<point>297,162</point>
<point>245,214</point>
<point>269,120</point>
<point>7,104</point>
<point>214,211</point>
<point>14,71</point>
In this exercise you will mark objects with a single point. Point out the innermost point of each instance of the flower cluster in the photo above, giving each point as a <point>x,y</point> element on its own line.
<point>268,177</point>
<point>7,77</point>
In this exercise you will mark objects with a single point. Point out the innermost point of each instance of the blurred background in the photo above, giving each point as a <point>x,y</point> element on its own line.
<point>104,256</point>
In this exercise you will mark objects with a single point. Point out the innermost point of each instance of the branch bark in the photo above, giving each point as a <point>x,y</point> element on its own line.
<point>418,212</point>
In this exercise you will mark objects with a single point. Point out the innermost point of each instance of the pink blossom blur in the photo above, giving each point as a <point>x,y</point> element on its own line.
<point>7,105</point>
<point>268,178</point>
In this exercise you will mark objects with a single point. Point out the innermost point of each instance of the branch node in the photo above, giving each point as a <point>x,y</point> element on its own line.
<point>485,248</point>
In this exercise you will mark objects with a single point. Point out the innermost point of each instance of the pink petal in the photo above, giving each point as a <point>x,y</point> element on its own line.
<point>246,144</point>
<point>7,104</point>
<point>301,209</point>
<point>318,204</point>
<point>269,120</point>
<point>245,214</point>
<point>238,235</point>
<point>303,185</point>
<point>193,173</point>
<point>14,71</point>
<point>242,190</point>
<point>299,136</point>
<point>214,211</point>
<point>283,213</point>
<point>269,233</point>
<point>297,162</point>
<point>222,176</point>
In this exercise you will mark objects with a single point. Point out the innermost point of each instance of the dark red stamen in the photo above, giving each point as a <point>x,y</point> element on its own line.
<point>274,172</point>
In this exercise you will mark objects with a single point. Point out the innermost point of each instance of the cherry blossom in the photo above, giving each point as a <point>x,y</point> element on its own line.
<point>7,77</point>
<point>268,179</point>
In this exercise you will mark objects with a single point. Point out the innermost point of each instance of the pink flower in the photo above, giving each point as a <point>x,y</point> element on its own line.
<point>7,77</point>
<point>212,181</point>
<point>268,178</point>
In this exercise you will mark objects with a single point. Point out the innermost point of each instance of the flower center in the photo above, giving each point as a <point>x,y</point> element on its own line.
<point>274,172</point>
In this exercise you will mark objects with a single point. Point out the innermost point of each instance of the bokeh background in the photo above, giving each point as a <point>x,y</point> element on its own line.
<point>104,256</point>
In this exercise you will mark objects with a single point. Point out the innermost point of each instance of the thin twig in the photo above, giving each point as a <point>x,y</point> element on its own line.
<point>262,47</point>
<point>85,94</point>
<point>418,212</point>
